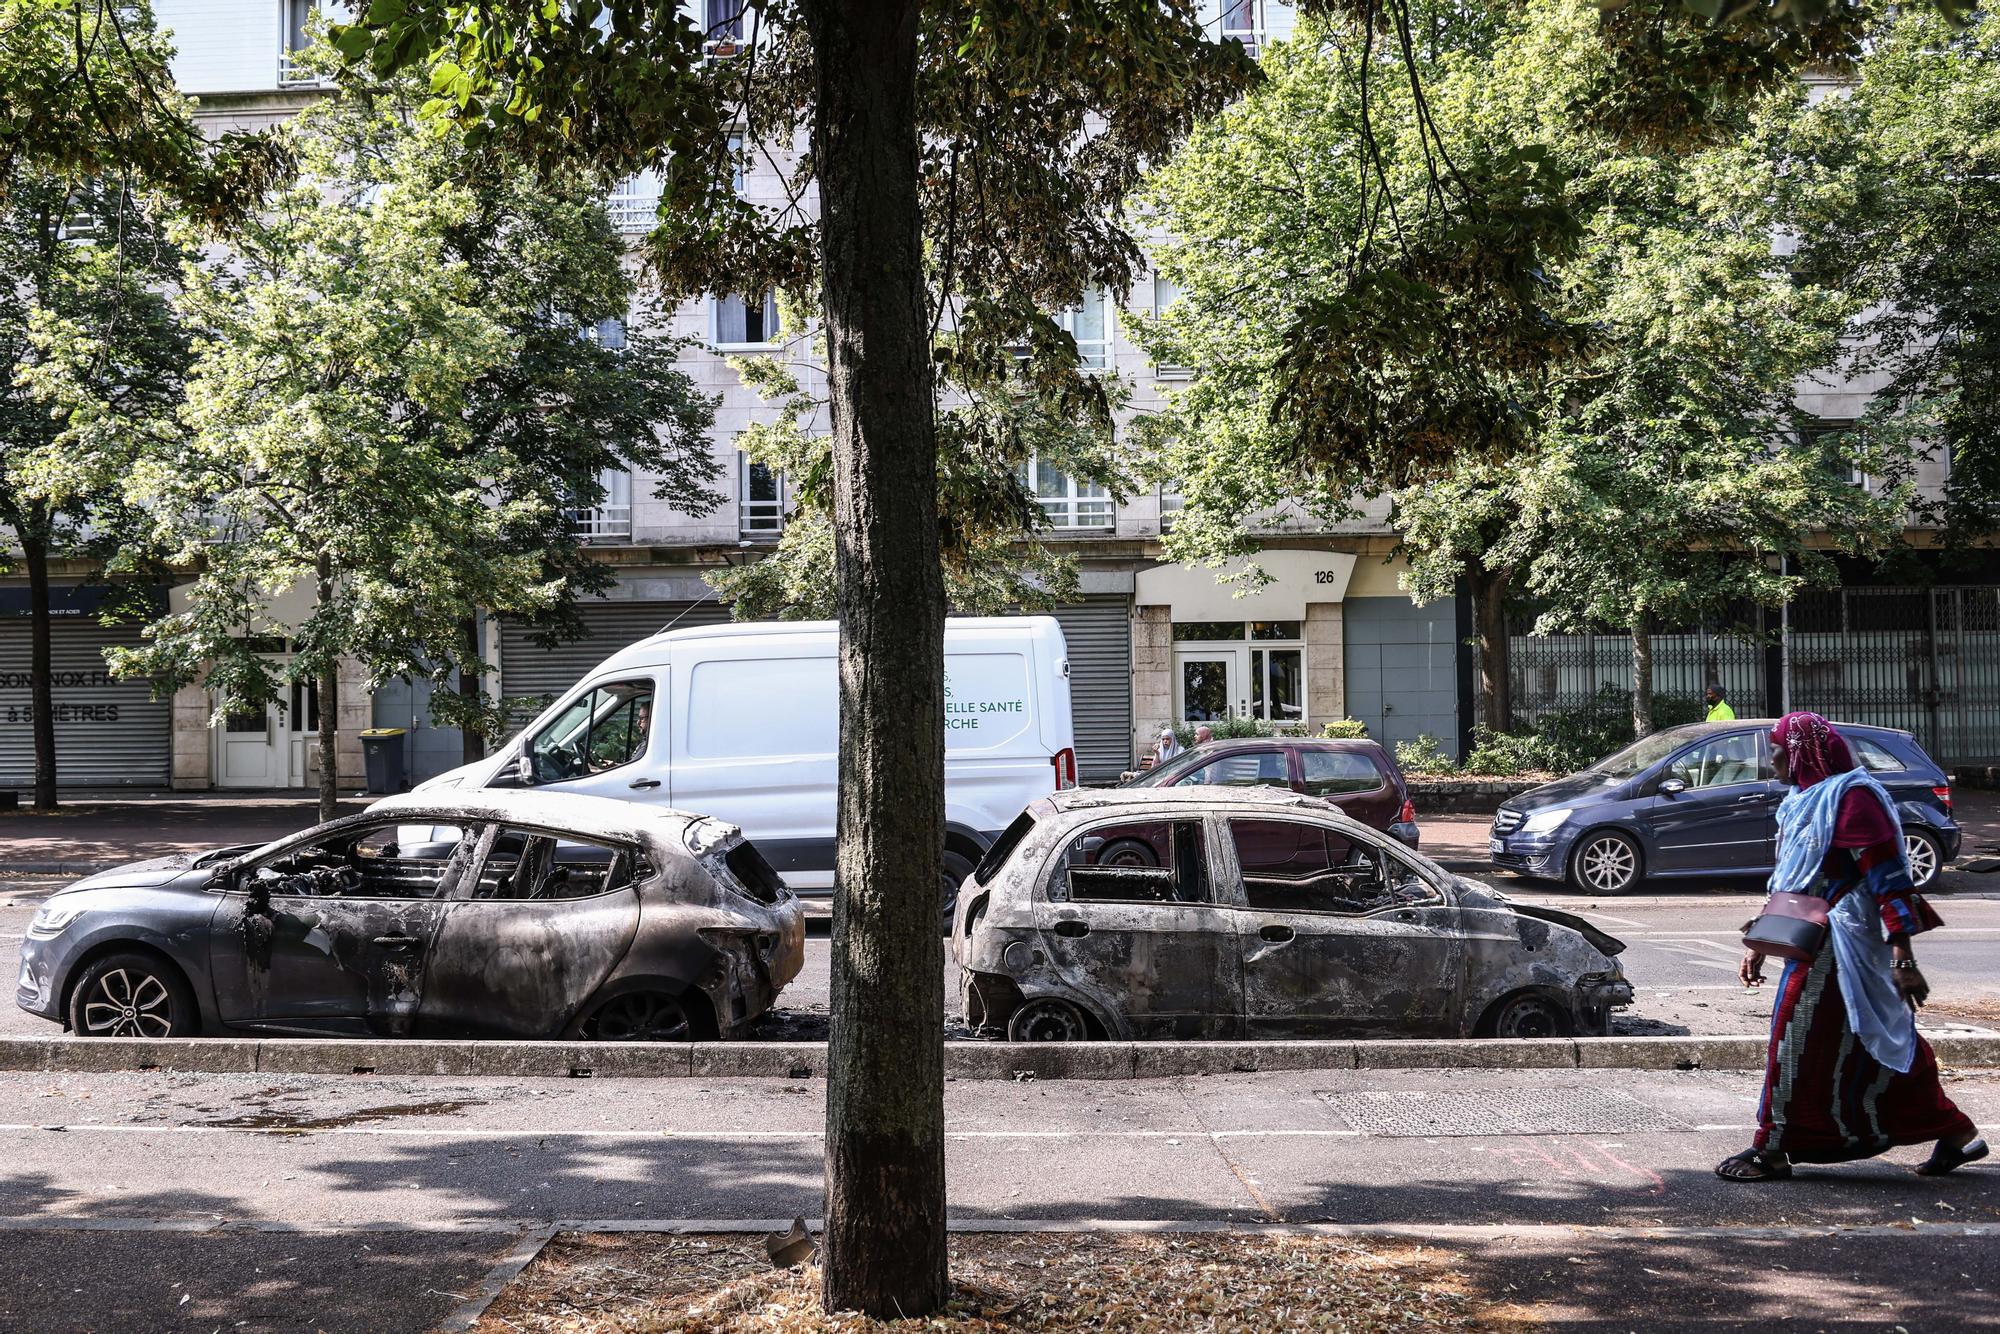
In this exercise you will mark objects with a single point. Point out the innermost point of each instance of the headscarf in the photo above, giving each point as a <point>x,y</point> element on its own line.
<point>1814,752</point>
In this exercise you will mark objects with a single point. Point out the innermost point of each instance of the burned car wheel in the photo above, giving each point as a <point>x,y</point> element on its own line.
<point>1048,1020</point>
<point>1529,1015</point>
<point>957,869</point>
<point>1128,852</point>
<point>131,996</point>
<point>642,1017</point>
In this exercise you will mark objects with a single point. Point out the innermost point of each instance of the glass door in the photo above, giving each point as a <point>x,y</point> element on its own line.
<point>1277,685</point>
<point>1208,684</point>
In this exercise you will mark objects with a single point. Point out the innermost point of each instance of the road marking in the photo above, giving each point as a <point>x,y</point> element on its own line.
<point>481,1132</point>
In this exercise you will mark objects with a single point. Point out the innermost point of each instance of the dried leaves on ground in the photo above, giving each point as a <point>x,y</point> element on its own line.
<point>1039,1283</point>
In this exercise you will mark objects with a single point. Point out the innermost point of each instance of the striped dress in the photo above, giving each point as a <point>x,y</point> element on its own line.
<point>1826,1100</point>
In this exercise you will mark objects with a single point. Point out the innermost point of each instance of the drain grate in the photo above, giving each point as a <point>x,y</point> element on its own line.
<point>1557,1111</point>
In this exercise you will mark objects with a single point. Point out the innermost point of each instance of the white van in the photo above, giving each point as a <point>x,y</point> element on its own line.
<point>741,722</point>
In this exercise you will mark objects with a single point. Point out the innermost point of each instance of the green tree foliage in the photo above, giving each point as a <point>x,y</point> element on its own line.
<point>89,350</point>
<point>1894,186</point>
<point>1580,390</point>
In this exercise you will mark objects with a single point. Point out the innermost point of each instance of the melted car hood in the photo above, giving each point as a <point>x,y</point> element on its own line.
<point>1476,893</point>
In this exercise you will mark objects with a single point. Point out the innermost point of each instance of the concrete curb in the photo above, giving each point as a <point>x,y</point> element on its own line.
<point>963,1060</point>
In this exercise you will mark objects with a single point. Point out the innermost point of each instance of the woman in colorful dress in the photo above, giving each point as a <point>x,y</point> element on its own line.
<point>1847,1075</point>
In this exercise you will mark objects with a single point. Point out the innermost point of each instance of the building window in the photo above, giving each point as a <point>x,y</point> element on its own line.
<point>761,510</point>
<point>607,334</point>
<point>1065,501</point>
<point>1089,323</point>
<point>745,322</point>
<point>296,16</point>
<point>738,160</point>
<point>1244,21</point>
<point>722,26</point>
<point>610,519</point>
<point>1825,434</point>
<point>635,203</point>
<point>1165,293</point>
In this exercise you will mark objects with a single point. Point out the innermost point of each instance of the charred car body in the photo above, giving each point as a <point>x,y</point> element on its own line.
<point>486,914</point>
<point>1268,916</point>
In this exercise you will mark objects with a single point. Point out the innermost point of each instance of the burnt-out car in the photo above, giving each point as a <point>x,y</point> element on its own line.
<point>1271,915</point>
<point>464,914</point>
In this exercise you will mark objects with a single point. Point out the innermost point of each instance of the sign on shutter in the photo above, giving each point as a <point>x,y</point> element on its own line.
<point>109,733</point>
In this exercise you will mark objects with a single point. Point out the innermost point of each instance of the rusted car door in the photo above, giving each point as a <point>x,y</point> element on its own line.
<point>531,937</point>
<point>1142,942</point>
<point>1338,938</point>
<point>333,936</point>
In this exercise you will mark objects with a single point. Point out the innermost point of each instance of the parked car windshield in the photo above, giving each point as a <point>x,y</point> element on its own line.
<point>1640,755</point>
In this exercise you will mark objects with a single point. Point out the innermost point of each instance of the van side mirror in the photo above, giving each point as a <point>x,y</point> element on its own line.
<point>524,771</point>
<point>1672,787</point>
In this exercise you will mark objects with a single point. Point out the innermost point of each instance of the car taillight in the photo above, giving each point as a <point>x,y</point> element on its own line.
<point>1943,794</point>
<point>1064,761</point>
<point>1408,815</point>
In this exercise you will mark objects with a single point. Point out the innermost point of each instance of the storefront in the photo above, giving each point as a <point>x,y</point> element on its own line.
<point>109,732</point>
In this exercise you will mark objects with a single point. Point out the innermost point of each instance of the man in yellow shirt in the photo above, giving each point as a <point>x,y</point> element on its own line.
<point>1718,707</point>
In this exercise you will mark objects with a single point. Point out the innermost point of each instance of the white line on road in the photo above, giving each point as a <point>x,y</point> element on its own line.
<point>482,1132</point>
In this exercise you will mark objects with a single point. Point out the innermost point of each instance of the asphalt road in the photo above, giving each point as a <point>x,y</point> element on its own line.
<point>1681,956</point>
<point>367,1203</point>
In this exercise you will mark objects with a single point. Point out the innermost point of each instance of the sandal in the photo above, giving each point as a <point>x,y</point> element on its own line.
<point>1754,1165</point>
<point>1945,1159</point>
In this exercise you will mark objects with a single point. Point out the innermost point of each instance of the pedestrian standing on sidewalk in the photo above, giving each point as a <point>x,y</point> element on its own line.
<point>1203,735</point>
<point>1718,707</point>
<point>1847,1075</point>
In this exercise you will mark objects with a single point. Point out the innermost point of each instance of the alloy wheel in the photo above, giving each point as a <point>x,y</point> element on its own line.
<point>124,1003</point>
<point>1608,864</point>
<point>644,1017</point>
<point>1923,856</point>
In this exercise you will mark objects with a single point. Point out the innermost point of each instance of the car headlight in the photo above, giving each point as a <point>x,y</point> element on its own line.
<point>52,920</point>
<point>1541,822</point>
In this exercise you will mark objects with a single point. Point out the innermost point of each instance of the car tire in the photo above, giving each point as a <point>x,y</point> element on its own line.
<point>957,870</point>
<point>132,995</point>
<point>1127,852</point>
<point>1605,862</point>
<point>641,1016</point>
<point>1048,1019</point>
<point>1926,857</point>
<point>1528,1014</point>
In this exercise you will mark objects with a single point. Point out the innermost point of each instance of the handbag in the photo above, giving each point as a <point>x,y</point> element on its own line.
<point>1792,926</point>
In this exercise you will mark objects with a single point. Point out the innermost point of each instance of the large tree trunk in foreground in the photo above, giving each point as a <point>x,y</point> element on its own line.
<point>885,1196</point>
<point>42,699</point>
<point>1489,610</point>
<point>1642,676</point>
<point>472,686</point>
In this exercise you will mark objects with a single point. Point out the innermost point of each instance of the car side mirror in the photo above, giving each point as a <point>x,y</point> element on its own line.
<point>1672,787</point>
<point>524,770</point>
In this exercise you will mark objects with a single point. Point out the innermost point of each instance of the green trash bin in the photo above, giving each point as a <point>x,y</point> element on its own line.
<point>382,748</point>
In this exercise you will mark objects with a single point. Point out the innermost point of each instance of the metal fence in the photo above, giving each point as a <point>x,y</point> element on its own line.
<point>1926,660</point>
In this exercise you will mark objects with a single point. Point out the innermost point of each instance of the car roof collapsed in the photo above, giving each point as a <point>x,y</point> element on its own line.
<point>601,816</point>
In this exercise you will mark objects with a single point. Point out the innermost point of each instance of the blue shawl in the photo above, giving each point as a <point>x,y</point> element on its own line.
<point>1875,1009</point>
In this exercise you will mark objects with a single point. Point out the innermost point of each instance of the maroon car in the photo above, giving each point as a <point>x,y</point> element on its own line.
<point>1353,774</point>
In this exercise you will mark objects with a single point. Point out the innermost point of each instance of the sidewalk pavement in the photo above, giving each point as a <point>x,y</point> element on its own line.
<point>94,830</point>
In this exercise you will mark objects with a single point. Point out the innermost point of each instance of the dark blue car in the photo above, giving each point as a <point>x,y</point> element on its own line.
<point>1701,801</point>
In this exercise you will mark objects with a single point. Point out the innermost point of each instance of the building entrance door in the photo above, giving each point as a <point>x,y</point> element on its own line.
<point>255,748</point>
<point>1208,685</point>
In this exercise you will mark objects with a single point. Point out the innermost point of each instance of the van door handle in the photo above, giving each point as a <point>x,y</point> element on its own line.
<point>1070,926</point>
<point>643,782</point>
<point>1276,933</point>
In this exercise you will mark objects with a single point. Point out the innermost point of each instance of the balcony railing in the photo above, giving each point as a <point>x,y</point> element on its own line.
<point>602,523</point>
<point>634,206</point>
<point>760,518</point>
<point>1077,511</point>
<point>292,72</point>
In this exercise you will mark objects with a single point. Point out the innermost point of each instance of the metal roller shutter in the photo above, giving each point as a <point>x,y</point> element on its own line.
<point>109,733</point>
<point>526,668</point>
<point>1099,633</point>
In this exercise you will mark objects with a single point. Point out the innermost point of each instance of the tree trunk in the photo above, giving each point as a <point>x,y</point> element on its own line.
<point>329,712</point>
<point>1496,698</point>
<point>471,685</point>
<point>41,673</point>
<point>1642,676</point>
<point>885,1190</point>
